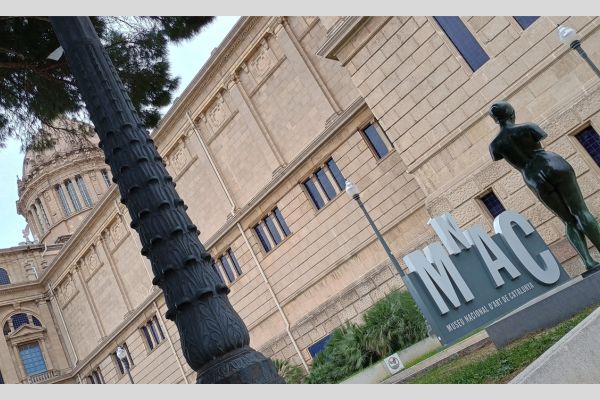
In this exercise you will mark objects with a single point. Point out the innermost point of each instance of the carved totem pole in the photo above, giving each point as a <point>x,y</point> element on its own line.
<point>214,339</point>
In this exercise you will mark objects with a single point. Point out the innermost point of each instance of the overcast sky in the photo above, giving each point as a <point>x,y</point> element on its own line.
<point>186,60</point>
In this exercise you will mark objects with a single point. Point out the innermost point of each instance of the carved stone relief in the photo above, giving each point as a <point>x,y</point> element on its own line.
<point>117,231</point>
<point>90,262</point>
<point>263,61</point>
<point>218,113</point>
<point>66,290</point>
<point>178,158</point>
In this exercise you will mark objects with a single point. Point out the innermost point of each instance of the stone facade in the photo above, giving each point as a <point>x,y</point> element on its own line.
<point>279,98</point>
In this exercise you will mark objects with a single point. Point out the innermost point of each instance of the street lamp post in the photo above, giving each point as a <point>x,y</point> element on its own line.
<point>352,190</point>
<point>569,37</point>
<point>122,355</point>
<point>214,339</point>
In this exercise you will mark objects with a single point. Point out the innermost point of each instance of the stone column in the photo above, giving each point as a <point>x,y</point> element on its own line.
<point>111,263</point>
<point>302,64</point>
<point>90,300</point>
<point>238,92</point>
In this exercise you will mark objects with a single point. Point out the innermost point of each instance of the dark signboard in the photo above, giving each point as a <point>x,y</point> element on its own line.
<point>486,278</point>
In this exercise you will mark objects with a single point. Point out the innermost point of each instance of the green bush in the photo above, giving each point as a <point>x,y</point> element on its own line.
<point>392,324</point>
<point>290,373</point>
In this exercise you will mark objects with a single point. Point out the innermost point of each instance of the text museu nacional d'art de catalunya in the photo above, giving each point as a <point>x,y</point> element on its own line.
<point>470,278</point>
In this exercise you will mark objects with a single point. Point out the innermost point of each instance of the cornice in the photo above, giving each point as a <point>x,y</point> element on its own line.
<point>339,35</point>
<point>214,66</point>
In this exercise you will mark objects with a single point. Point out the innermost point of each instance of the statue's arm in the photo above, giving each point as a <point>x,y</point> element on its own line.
<point>537,133</point>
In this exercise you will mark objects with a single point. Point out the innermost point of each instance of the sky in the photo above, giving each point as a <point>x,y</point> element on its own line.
<point>186,60</point>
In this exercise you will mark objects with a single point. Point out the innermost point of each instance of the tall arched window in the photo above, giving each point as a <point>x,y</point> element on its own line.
<point>83,190</point>
<point>73,195</point>
<point>63,200</point>
<point>38,220</point>
<point>43,214</point>
<point>4,278</point>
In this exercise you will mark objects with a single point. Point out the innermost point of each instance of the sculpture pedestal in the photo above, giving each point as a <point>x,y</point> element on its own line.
<point>547,310</point>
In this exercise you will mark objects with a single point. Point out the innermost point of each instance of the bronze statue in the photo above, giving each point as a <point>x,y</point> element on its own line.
<point>548,175</point>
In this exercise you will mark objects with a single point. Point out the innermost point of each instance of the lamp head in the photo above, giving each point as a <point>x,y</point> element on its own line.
<point>567,35</point>
<point>121,353</point>
<point>352,190</point>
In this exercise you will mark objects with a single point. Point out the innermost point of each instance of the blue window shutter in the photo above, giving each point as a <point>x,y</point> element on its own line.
<point>318,346</point>
<point>590,141</point>
<point>4,278</point>
<point>464,41</point>
<point>281,221</point>
<point>493,204</point>
<point>234,261</point>
<point>375,140</point>
<point>337,174</point>
<point>314,194</point>
<point>525,22</point>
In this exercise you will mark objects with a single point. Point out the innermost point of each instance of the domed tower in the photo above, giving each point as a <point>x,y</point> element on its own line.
<point>61,184</point>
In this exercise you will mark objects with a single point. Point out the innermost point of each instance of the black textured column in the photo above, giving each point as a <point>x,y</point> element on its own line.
<point>214,339</point>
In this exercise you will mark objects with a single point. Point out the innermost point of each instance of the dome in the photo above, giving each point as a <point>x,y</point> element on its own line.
<point>64,176</point>
<point>57,144</point>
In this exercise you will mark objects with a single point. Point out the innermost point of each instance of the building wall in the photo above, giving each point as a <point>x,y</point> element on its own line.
<point>276,100</point>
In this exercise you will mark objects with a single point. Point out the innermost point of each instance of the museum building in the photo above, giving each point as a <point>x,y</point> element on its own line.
<point>260,145</point>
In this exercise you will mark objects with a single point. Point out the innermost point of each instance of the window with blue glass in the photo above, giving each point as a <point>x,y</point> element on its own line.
<point>83,190</point>
<point>234,261</point>
<point>318,346</point>
<point>263,238</point>
<point>314,193</point>
<point>227,268</point>
<point>32,358</point>
<point>493,204</point>
<point>337,174</point>
<point>128,360</point>
<point>73,195</point>
<point>525,22</point>
<point>375,141</point>
<point>590,140</point>
<point>4,278</point>
<point>464,41</point>
<point>95,377</point>
<point>319,186</point>
<point>19,320</point>
<point>1,379</point>
<point>217,272</point>
<point>228,263</point>
<point>63,200</point>
<point>153,333</point>
<point>271,230</point>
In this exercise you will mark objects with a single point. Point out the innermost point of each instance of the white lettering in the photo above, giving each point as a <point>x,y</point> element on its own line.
<point>451,236</point>
<point>549,273</point>
<point>488,249</point>
<point>438,267</point>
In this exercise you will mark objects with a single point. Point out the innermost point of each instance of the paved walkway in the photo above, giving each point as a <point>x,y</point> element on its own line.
<point>466,346</point>
<point>575,358</point>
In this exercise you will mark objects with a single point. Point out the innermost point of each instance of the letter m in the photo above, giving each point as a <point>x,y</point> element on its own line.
<point>437,272</point>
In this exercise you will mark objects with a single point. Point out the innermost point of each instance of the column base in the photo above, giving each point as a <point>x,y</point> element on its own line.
<point>245,365</point>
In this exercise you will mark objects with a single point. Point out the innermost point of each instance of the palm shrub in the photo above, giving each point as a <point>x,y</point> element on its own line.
<point>290,373</point>
<point>393,324</point>
<point>343,355</point>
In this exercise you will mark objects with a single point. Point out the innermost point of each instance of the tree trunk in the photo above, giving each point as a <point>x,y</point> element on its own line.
<point>214,339</point>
